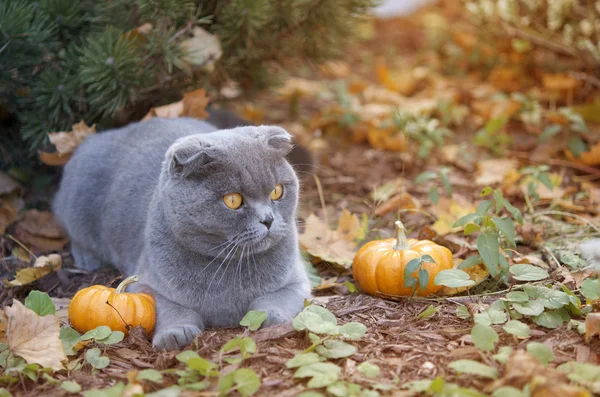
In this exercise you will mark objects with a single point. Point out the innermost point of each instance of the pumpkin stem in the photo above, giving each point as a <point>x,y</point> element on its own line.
<point>129,280</point>
<point>401,242</point>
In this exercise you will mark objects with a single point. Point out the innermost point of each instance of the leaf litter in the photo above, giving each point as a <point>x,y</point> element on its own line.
<point>507,335</point>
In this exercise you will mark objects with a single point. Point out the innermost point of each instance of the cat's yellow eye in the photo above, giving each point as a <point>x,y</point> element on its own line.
<point>277,192</point>
<point>233,200</point>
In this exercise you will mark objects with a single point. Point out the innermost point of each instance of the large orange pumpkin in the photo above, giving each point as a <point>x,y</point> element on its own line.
<point>379,265</point>
<point>99,305</point>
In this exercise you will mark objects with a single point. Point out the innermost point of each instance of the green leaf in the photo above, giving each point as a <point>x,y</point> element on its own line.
<point>549,319</point>
<point>471,261</point>
<point>453,278</point>
<point>582,373</point>
<point>528,273</point>
<point>352,288</point>
<point>95,359</point>
<point>463,312</point>
<point>471,228</point>
<point>552,299</point>
<point>114,337</point>
<point>338,389</point>
<point>247,382</point>
<point>446,181</point>
<point>302,359</point>
<point>434,195</point>
<point>491,316</point>
<point>514,212</point>
<point>529,308</point>
<point>150,374</point>
<point>469,218</point>
<point>245,344</point>
<point>508,391</point>
<point>590,288</point>
<point>549,132</point>
<point>322,374</point>
<point>487,245</point>
<point>498,200</point>
<point>474,368</point>
<point>423,278</point>
<point>424,177</point>
<point>185,356</point>
<point>115,391</point>
<point>578,325</point>
<point>197,386</point>
<point>70,386</point>
<point>253,319</point>
<point>69,338</point>
<point>545,179</point>
<point>517,296</point>
<point>541,352</point>
<point>506,226</point>
<point>503,354</point>
<point>315,319</point>
<point>484,337</point>
<point>411,267</point>
<point>173,391</point>
<point>577,146</point>
<point>430,311</point>
<point>4,392</point>
<point>368,369</point>
<point>517,328</point>
<point>40,303</point>
<point>311,393</point>
<point>483,207</point>
<point>486,191</point>
<point>352,330</point>
<point>98,333</point>
<point>495,125</point>
<point>335,349</point>
<point>225,383</point>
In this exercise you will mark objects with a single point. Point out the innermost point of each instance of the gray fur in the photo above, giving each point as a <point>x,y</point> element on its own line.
<point>148,199</point>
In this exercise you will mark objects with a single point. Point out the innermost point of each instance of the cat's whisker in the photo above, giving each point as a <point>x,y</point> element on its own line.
<point>215,258</point>
<point>235,246</point>
<point>229,263</point>
<point>228,241</point>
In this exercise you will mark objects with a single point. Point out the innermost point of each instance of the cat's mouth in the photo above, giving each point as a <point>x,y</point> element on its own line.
<point>258,240</point>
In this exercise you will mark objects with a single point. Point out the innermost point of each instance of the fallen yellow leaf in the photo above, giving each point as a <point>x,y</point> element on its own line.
<point>193,104</point>
<point>66,143</point>
<point>448,211</point>
<point>493,171</point>
<point>43,266</point>
<point>337,247</point>
<point>34,338</point>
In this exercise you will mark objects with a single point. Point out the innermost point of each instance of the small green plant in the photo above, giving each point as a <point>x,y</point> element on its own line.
<point>427,132</point>
<point>496,232</point>
<point>442,176</point>
<point>492,135</point>
<point>573,132</point>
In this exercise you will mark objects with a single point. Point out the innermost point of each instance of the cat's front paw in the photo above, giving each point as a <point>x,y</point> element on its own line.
<point>175,338</point>
<point>275,317</point>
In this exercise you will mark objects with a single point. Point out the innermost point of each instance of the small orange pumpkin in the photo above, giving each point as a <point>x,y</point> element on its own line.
<point>378,266</point>
<point>99,305</point>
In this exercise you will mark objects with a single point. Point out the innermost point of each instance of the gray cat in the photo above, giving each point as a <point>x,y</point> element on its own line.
<point>205,217</point>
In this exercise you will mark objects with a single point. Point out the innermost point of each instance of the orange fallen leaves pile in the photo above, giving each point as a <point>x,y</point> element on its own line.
<point>193,105</point>
<point>65,143</point>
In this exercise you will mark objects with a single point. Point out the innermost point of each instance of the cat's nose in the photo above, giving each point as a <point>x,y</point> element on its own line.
<point>267,221</point>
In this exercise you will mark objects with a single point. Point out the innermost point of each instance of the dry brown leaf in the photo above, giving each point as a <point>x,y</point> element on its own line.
<point>493,171</point>
<point>592,326</point>
<point>43,266</point>
<point>336,69</point>
<point>3,324</point>
<point>522,367</point>
<point>507,78</point>
<point>40,231</point>
<point>591,157</point>
<point>448,211</point>
<point>388,138</point>
<point>194,104</point>
<point>548,387</point>
<point>8,212</point>
<point>34,338</point>
<point>403,200</point>
<point>559,82</point>
<point>302,87</point>
<point>403,82</point>
<point>254,114</point>
<point>333,246</point>
<point>66,143</point>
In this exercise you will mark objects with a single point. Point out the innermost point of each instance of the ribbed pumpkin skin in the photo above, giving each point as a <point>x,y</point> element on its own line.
<point>378,268</point>
<point>88,309</point>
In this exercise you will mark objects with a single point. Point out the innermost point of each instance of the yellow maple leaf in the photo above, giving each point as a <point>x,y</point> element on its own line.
<point>34,338</point>
<point>66,142</point>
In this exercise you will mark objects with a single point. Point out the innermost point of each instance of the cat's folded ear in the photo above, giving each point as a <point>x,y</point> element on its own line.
<point>278,140</point>
<point>189,155</point>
